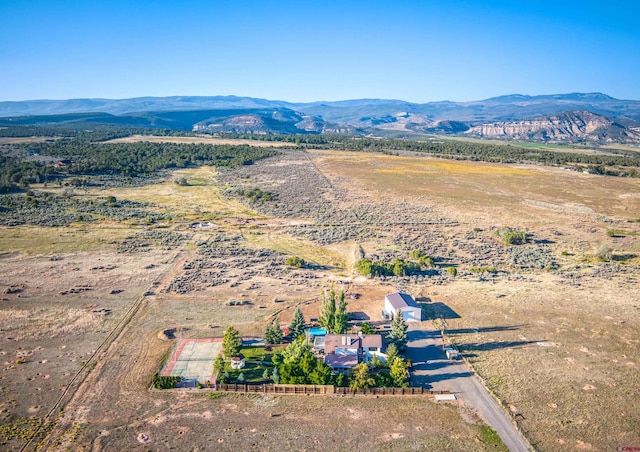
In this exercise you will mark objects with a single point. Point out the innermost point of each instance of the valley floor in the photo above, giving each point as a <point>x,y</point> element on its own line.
<point>550,327</point>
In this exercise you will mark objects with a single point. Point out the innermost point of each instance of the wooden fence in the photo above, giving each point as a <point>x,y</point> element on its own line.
<point>322,390</point>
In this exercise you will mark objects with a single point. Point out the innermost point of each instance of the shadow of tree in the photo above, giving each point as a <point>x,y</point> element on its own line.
<point>484,346</point>
<point>486,329</point>
<point>436,310</point>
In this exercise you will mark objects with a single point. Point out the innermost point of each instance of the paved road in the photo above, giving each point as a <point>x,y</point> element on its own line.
<point>432,369</point>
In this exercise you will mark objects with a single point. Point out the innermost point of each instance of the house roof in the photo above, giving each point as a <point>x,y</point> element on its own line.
<point>345,361</point>
<point>401,300</point>
<point>351,341</point>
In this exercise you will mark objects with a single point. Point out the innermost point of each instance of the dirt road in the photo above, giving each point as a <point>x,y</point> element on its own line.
<point>433,370</point>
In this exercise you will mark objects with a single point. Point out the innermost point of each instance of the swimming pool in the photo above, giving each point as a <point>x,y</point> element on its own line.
<point>316,331</point>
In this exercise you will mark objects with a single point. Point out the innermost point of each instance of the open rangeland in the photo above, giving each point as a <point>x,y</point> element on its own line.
<point>551,326</point>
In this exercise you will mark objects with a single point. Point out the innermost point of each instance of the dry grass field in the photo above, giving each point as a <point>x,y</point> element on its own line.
<point>560,347</point>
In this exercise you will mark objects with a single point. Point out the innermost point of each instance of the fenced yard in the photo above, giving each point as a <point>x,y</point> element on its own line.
<point>322,390</point>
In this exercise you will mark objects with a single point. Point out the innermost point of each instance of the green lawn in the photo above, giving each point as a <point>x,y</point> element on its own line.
<point>257,360</point>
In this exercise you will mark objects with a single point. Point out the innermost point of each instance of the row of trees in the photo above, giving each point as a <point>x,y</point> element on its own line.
<point>417,261</point>
<point>273,333</point>
<point>333,318</point>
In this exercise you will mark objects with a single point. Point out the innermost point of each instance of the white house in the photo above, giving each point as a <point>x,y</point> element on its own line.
<point>411,312</point>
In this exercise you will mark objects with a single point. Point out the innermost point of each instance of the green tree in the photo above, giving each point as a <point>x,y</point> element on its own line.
<point>265,374</point>
<point>340,380</point>
<point>420,257</point>
<point>452,271</point>
<point>275,376</point>
<point>267,334</point>
<point>297,365</point>
<point>231,343</point>
<point>416,254</point>
<point>398,372</point>
<point>366,328</point>
<point>426,261</point>
<point>295,261</point>
<point>398,335</point>
<point>399,267</point>
<point>297,325</point>
<point>273,333</point>
<point>328,310</point>
<point>277,331</point>
<point>376,362</point>
<point>316,371</point>
<point>364,267</point>
<point>361,378</point>
<point>341,316</point>
<point>392,353</point>
<point>218,367</point>
<point>293,353</point>
<point>165,382</point>
<point>512,236</point>
<point>332,318</point>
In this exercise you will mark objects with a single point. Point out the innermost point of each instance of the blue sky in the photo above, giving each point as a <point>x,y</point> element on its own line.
<point>300,51</point>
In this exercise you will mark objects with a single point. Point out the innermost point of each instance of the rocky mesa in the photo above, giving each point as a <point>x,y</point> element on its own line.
<point>572,126</point>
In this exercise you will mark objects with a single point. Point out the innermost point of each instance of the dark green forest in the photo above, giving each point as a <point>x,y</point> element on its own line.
<point>91,156</point>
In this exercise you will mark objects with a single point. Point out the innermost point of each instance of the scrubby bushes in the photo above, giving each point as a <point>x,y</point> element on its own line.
<point>397,267</point>
<point>256,195</point>
<point>165,382</point>
<point>48,209</point>
<point>512,236</point>
<point>295,261</point>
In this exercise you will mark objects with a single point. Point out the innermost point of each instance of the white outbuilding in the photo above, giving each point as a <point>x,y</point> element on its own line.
<point>411,312</point>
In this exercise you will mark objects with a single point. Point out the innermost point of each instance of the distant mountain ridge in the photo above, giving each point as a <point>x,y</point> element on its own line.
<point>556,117</point>
<point>502,108</point>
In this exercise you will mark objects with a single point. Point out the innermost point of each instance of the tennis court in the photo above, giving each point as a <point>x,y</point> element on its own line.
<point>193,359</point>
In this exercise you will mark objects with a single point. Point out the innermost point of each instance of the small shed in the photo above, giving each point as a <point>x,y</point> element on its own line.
<point>237,361</point>
<point>411,312</point>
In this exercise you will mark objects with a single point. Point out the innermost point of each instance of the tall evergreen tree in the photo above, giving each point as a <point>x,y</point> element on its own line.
<point>231,343</point>
<point>268,334</point>
<point>273,333</point>
<point>276,331</point>
<point>218,368</point>
<point>328,312</point>
<point>341,316</point>
<point>398,335</point>
<point>392,354</point>
<point>298,325</point>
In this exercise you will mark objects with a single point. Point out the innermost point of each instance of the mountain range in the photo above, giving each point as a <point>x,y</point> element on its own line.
<point>576,117</point>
